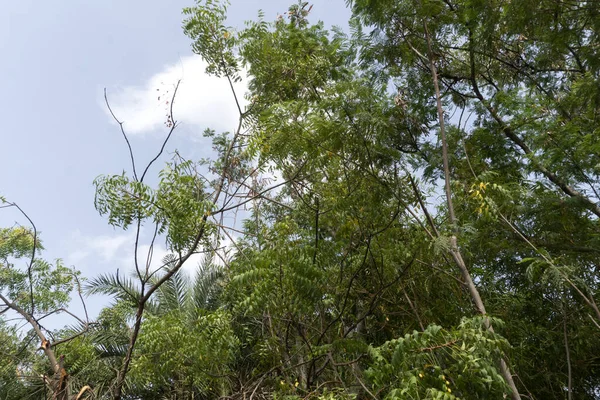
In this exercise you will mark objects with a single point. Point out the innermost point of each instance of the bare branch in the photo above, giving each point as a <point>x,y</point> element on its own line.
<point>33,251</point>
<point>173,126</point>
<point>87,319</point>
<point>123,132</point>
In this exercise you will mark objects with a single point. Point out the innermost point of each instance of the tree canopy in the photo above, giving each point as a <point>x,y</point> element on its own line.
<point>417,217</point>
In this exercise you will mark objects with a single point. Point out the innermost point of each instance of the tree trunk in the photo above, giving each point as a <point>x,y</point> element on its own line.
<point>454,250</point>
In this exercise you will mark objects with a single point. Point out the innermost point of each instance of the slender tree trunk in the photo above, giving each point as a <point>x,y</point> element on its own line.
<point>454,249</point>
<point>568,355</point>
<point>132,340</point>
<point>302,367</point>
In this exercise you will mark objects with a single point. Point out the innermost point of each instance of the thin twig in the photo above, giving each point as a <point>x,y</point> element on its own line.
<point>32,260</point>
<point>120,123</point>
<point>174,125</point>
<point>568,355</point>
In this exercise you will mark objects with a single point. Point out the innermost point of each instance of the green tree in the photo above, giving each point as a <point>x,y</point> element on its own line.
<point>186,208</point>
<point>524,168</point>
<point>187,344</point>
<point>342,244</point>
<point>32,293</point>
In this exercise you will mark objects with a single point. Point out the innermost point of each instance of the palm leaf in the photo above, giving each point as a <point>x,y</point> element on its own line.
<point>207,287</point>
<point>119,287</point>
<point>173,294</point>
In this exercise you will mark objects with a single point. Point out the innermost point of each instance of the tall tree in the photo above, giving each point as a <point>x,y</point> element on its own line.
<point>346,216</point>
<point>529,74</point>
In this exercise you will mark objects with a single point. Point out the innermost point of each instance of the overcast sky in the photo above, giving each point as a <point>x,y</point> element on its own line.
<point>56,135</point>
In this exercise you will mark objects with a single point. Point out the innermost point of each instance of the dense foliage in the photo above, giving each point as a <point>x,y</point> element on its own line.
<point>433,232</point>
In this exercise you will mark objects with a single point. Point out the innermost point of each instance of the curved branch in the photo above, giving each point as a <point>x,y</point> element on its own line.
<point>33,251</point>
<point>173,126</point>
<point>120,123</point>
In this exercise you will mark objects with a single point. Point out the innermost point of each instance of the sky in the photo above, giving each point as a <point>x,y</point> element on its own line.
<point>56,133</point>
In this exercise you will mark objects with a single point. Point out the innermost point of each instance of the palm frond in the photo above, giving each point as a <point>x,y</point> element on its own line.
<point>122,288</point>
<point>207,287</point>
<point>174,294</point>
<point>110,344</point>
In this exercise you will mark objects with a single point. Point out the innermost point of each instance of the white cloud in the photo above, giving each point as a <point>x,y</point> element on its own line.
<point>102,247</point>
<point>94,255</point>
<point>203,101</point>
